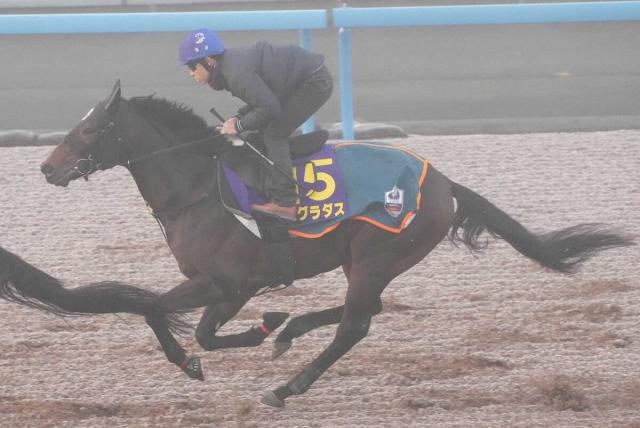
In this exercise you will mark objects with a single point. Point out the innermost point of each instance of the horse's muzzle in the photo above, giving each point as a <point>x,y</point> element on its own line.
<point>58,179</point>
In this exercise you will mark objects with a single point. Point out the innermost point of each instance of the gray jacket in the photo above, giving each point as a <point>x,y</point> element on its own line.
<point>263,76</point>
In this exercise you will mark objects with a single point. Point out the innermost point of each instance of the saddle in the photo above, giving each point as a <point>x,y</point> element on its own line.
<point>299,145</point>
<point>246,163</point>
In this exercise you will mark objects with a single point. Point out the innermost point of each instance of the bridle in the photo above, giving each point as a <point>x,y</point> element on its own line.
<point>95,161</point>
<point>84,167</point>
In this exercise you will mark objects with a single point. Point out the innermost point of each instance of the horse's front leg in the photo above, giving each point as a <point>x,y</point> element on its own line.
<point>217,315</point>
<point>193,293</point>
<point>351,330</point>
<point>362,302</point>
<point>303,324</point>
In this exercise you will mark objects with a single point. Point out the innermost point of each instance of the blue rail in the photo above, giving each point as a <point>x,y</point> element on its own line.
<point>306,42</point>
<point>346,18</point>
<point>162,21</point>
<point>533,13</point>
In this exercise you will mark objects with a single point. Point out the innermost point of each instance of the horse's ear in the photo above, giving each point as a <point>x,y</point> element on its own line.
<point>114,99</point>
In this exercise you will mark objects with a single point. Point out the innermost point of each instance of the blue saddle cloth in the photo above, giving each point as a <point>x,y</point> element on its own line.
<point>374,182</point>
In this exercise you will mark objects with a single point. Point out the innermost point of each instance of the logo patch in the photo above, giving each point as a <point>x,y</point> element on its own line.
<point>394,201</point>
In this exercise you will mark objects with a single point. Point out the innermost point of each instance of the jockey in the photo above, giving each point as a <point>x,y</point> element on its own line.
<point>282,86</point>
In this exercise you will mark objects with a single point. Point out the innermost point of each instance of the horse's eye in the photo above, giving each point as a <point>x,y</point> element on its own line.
<point>88,131</point>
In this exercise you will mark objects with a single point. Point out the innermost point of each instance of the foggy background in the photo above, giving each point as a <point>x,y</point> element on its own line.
<point>429,80</point>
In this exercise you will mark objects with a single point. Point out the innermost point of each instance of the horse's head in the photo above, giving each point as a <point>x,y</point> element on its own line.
<point>88,147</point>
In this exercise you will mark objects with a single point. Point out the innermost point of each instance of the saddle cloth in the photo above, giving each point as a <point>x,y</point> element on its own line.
<point>374,182</point>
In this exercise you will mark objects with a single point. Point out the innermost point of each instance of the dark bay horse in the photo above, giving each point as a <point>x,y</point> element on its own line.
<point>170,152</point>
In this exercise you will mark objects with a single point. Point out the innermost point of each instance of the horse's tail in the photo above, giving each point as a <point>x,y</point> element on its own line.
<point>561,250</point>
<point>25,284</point>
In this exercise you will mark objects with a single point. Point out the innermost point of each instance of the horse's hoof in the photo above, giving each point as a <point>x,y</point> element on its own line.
<point>271,399</point>
<point>193,368</point>
<point>273,320</point>
<point>279,348</point>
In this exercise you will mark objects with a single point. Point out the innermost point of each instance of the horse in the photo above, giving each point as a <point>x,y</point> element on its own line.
<point>171,153</point>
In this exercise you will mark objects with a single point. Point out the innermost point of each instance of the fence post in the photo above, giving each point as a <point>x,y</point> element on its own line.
<point>305,42</point>
<point>346,92</point>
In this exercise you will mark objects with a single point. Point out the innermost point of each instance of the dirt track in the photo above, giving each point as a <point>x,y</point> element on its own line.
<point>490,341</point>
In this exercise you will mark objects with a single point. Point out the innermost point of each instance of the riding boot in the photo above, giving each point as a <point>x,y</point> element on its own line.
<point>275,234</point>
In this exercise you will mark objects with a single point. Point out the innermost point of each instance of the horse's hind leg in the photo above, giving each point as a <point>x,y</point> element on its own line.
<point>217,315</point>
<point>193,293</point>
<point>303,324</point>
<point>172,349</point>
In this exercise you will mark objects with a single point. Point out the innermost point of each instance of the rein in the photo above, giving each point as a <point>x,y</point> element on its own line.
<point>87,166</point>
<point>169,150</point>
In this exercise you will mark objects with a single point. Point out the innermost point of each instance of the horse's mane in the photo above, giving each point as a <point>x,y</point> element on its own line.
<point>177,118</point>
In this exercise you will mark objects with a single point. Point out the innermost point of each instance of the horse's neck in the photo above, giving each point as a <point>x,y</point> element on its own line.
<point>169,182</point>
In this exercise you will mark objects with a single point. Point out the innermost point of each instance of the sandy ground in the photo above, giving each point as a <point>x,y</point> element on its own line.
<point>463,341</point>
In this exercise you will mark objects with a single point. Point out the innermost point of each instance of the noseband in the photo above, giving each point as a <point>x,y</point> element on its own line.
<point>87,166</point>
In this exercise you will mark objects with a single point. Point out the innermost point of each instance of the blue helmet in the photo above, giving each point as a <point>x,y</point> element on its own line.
<point>200,44</point>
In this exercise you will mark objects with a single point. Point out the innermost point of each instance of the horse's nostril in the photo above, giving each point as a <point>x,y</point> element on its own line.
<point>46,169</point>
